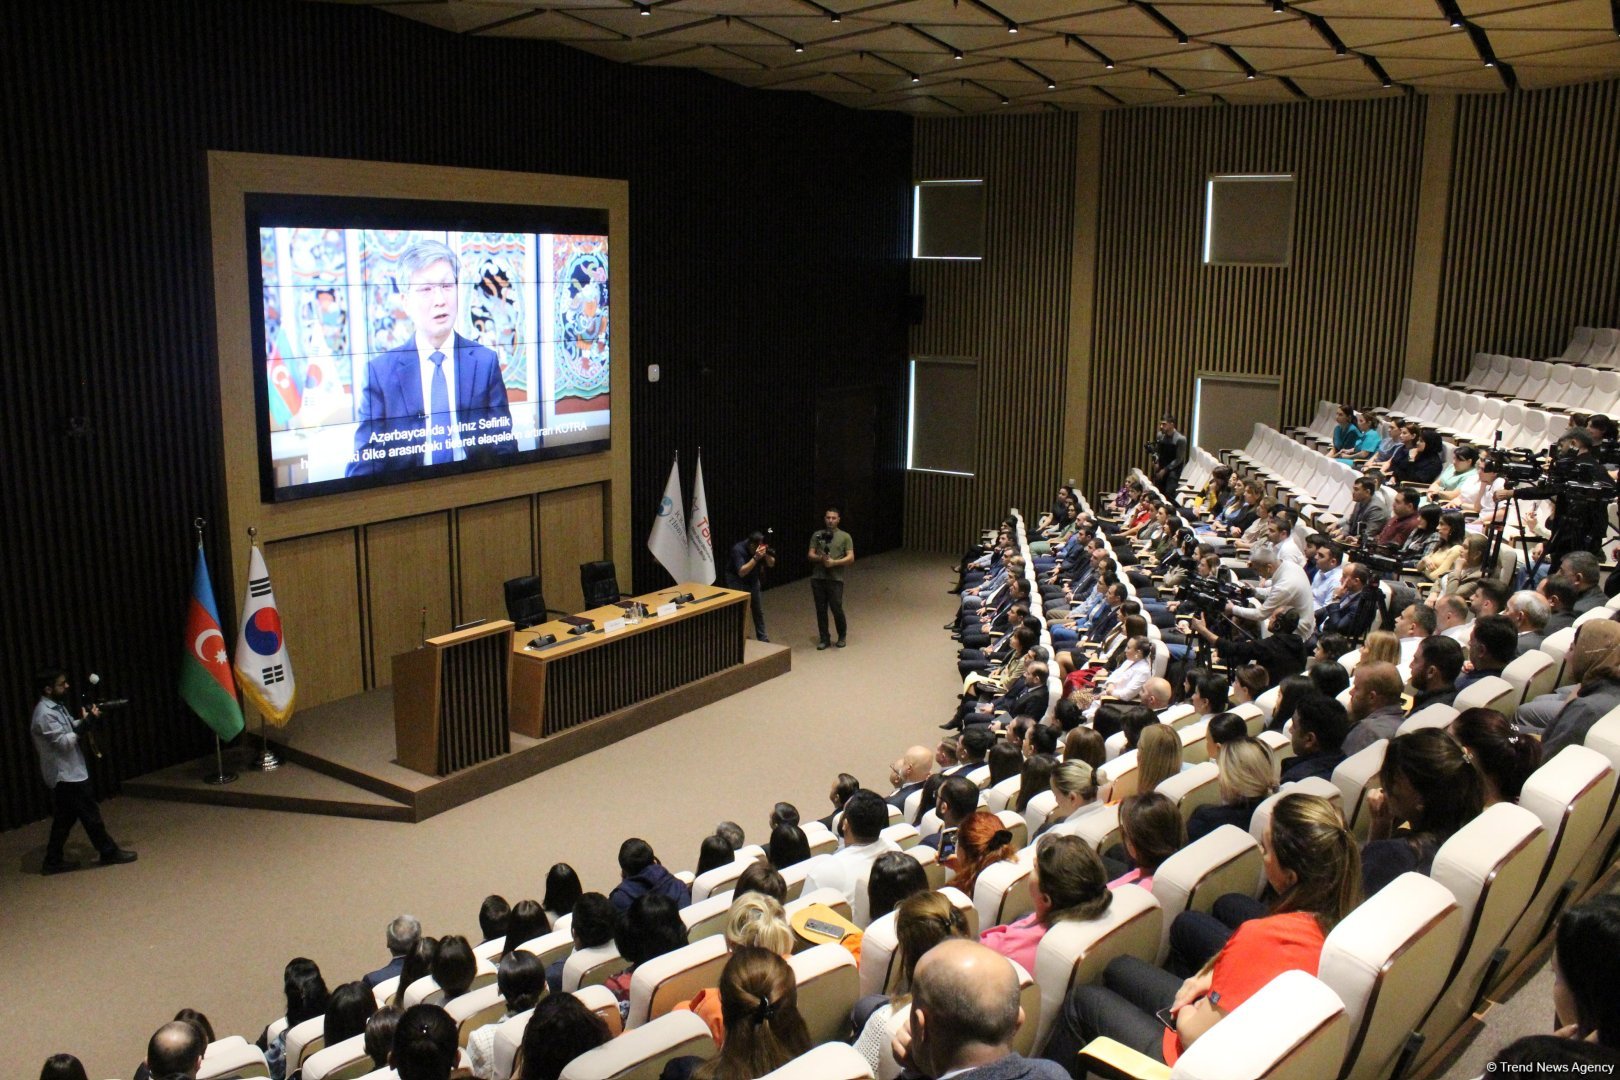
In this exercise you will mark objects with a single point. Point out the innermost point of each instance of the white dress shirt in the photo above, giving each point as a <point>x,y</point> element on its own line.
<point>847,870</point>
<point>1290,590</point>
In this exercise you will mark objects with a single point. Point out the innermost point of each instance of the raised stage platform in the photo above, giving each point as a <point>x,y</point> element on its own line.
<point>339,758</point>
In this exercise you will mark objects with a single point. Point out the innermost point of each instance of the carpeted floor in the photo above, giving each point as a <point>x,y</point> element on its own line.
<point>221,898</point>
<point>95,960</point>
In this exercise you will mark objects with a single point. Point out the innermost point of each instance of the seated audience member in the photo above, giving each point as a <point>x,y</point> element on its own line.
<point>1505,758</point>
<point>1125,682</point>
<point>759,1001</point>
<point>1156,697</point>
<point>1529,612</point>
<point>866,815</point>
<point>1249,683</point>
<point>1407,522</point>
<point>1320,725</point>
<point>1151,830</point>
<point>380,1034</point>
<point>1209,694</point>
<point>1381,647</point>
<point>563,891</point>
<point>1469,571</point>
<point>1329,648</point>
<point>492,917</point>
<point>347,1011</point>
<point>424,1044</point>
<point>972,749</point>
<point>1585,1005</point>
<point>1354,612</point>
<point>755,921</point>
<point>1412,626</point>
<point>784,813</point>
<point>1134,721</point>
<point>560,1030</point>
<point>1581,568</point>
<point>305,993</point>
<point>921,921</point>
<point>527,922</point>
<point>958,797</point>
<point>192,1016</point>
<point>1067,882</point>
<point>176,1050</point>
<point>1375,706</point>
<point>761,877</point>
<point>1158,758</point>
<point>946,752</point>
<point>1085,744</point>
<point>1312,865</point>
<point>926,799</point>
<point>1489,597</point>
<point>1330,678</point>
<point>1222,729</point>
<point>1452,617</point>
<point>640,873</point>
<point>418,965</point>
<point>402,935</point>
<point>1435,668</point>
<point>1290,692</point>
<point>732,833</point>
<point>1006,761</point>
<point>1075,785</point>
<point>1040,739</point>
<point>1554,1054</point>
<point>1438,563</point>
<point>1329,563</point>
<point>1458,480</point>
<point>522,982</point>
<point>1559,592</point>
<point>651,928</point>
<point>895,876</point>
<point>964,1013</point>
<point>65,1067</point>
<point>1492,647</point>
<point>1035,778</point>
<point>1367,516</point>
<point>454,966</point>
<point>591,927</point>
<point>845,786</point>
<point>1594,663</point>
<point>1245,782</point>
<point>1431,785</point>
<point>788,847</point>
<point>715,851</point>
<point>908,773</point>
<point>981,840</point>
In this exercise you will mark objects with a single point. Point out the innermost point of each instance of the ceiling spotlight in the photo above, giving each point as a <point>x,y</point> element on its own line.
<point>837,17</point>
<point>1387,82</point>
<point>957,54</point>
<point>1006,101</point>
<point>916,78</point>
<point>1012,27</point>
<point>1249,76</point>
<point>798,47</point>
<point>1338,49</point>
<point>643,9</point>
<point>1181,93</point>
<point>1181,39</point>
<point>1051,84</point>
<point>1109,66</point>
<point>1278,7</point>
<point>1489,62</point>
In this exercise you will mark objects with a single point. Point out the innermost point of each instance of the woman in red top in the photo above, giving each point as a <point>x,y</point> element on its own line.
<point>1312,863</point>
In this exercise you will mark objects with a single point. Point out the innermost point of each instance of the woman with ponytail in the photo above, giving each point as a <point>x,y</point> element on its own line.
<point>759,999</point>
<point>1504,756</point>
<point>981,839</point>
<point>1311,864</point>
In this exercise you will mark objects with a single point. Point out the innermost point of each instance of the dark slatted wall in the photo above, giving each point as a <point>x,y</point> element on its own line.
<point>1009,311</point>
<point>770,234</point>
<point>1533,236</point>
<point>1332,324</point>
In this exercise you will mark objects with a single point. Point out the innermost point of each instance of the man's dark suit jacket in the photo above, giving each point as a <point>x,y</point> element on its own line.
<point>392,402</point>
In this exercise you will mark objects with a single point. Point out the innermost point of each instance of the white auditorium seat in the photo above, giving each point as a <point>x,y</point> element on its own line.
<point>1228,860</point>
<point>829,1061</point>
<point>1075,952</point>
<point>664,981</point>
<point>645,1051</point>
<point>1354,777</point>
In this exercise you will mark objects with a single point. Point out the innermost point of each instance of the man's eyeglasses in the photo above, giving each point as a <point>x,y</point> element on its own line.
<point>436,288</point>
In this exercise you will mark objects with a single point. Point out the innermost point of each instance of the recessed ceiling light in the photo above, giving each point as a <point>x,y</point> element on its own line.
<point>1051,84</point>
<point>643,9</point>
<point>958,54</point>
<point>1012,27</point>
<point>797,47</point>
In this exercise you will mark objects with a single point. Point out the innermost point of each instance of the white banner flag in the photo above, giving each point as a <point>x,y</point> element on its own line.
<point>263,670</point>
<point>699,544</point>
<point>667,541</point>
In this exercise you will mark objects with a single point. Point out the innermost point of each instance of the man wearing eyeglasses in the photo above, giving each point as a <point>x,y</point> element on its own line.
<point>438,398</point>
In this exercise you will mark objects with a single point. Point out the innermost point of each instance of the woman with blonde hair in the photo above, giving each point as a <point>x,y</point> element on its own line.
<point>759,998</point>
<point>981,839</point>
<point>1312,865</point>
<point>1469,569</point>
<point>1247,778</point>
<point>1075,785</point>
<point>922,921</point>
<point>1158,758</point>
<point>1381,647</point>
<point>756,921</point>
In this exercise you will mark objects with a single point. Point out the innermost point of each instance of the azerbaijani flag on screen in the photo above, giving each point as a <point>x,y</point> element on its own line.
<point>286,381</point>
<point>205,670</point>
<point>263,670</point>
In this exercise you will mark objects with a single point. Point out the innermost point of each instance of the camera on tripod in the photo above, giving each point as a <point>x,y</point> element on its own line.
<point>1209,596</point>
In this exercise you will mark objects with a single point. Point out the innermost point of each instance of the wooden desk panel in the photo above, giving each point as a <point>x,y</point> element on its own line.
<point>583,677</point>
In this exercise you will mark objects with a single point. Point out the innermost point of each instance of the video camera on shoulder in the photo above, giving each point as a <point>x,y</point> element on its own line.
<point>1210,595</point>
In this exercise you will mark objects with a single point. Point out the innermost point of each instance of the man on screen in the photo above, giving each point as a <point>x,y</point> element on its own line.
<point>439,397</point>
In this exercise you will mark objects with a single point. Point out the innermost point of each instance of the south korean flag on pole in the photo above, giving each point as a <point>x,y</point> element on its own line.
<point>263,670</point>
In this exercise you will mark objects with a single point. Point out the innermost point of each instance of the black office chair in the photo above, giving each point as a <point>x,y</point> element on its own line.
<point>599,582</point>
<point>525,604</point>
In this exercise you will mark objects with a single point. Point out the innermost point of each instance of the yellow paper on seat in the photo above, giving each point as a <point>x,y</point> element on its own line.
<point>1118,1056</point>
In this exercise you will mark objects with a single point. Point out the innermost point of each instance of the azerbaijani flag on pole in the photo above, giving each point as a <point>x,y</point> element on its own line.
<point>263,669</point>
<point>205,670</point>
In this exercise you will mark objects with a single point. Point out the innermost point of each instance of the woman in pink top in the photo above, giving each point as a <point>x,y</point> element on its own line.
<point>1067,882</point>
<point>1152,830</point>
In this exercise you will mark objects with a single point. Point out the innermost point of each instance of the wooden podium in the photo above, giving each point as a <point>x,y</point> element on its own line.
<point>451,699</point>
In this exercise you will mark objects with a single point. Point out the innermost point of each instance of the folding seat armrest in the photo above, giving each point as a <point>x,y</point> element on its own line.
<point>1123,1061</point>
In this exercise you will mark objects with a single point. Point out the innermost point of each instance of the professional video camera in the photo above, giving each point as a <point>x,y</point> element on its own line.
<point>1518,466</point>
<point>1209,596</point>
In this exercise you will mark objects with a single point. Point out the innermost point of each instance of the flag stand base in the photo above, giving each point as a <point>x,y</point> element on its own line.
<point>220,778</point>
<point>266,762</point>
<point>219,775</point>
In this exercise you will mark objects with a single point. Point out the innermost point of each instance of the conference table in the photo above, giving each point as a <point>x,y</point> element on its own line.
<point>619,663</point>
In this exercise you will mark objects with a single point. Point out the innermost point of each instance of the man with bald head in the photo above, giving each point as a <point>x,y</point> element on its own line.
<point>964,1014</point>
<point>1156,694</point>
<point>176,1051</point>
<point>1375,706</point>
<point>908,773</point>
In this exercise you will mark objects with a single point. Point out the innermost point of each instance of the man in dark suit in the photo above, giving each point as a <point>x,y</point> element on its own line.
<point>438,398</point>
<point>403,934</point>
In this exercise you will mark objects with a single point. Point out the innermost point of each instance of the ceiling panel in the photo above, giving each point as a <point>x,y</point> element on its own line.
<point>866,58</point>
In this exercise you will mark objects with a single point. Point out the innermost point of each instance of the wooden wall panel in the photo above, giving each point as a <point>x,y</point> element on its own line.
<point>1331,325</point>
<point>316,579</point>
<point>1010,311</point>
<point>1533,236</point>
<point>407,569</point>
<point>494,542</point>
<point>767,263</point>
<point>570,534</point>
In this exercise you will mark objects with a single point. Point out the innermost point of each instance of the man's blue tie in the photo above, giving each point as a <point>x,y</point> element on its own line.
<point>441,410</point>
